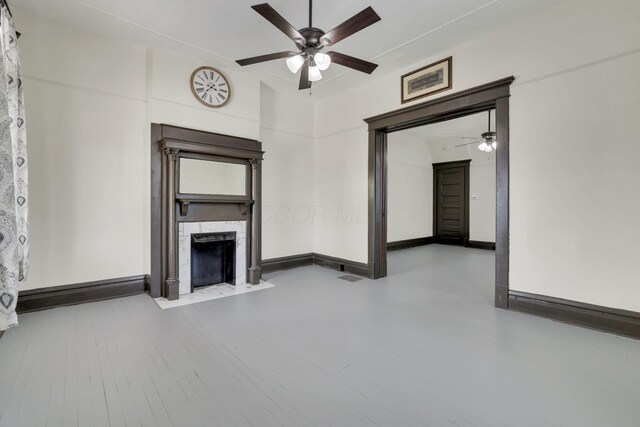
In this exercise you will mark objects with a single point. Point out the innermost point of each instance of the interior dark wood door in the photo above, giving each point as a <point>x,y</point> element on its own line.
<point>451,202</point>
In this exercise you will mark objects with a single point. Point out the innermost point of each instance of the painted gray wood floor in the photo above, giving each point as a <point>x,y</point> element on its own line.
<point>423,347</point>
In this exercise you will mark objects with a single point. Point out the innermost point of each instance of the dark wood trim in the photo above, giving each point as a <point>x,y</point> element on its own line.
<point>494,95</point>
<point>399,245</point>
<point>295,261</point>
<point>616,321</point>
<point>157,214</point>
<point>377,225</point>
<point>414,115</point>
<point>287,262</point>
<point>255,270</point>
<point>502,204</point>
<point>208,138</point>
<point>467,190</point>
<point>1,334</point>
<point>213,198</point>
<point>168,206</point>
<point>340,264</point>
<point>197,147</point>
<point>477,244</point>
<point>57,296</point>
<point>453,164</point>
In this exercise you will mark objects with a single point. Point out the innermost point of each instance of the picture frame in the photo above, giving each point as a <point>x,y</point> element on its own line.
<point>428,80</point>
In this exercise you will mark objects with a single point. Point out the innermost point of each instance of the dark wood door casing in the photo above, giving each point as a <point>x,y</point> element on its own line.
<point>451,202</point>
<point>494,95</point>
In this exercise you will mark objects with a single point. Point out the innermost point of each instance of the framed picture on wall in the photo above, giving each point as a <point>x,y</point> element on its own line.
<point>425,81</point>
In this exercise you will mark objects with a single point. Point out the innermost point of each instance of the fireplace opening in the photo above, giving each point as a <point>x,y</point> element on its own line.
<point>213,259</point>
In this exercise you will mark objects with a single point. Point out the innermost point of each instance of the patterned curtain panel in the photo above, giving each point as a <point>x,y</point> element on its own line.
<point>14,241</point>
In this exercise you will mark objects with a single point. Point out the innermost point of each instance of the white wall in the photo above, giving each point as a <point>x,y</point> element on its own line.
<point>286,132</point>
<point>88,142</point>
<point>409,187</point>
<point>482,203</point>
<point>172,103</point>
<point>574,198</point>
<point>340,192</point>
<point>90,102</point>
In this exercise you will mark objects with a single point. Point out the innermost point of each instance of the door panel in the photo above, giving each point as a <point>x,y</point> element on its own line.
<point>451,195</point>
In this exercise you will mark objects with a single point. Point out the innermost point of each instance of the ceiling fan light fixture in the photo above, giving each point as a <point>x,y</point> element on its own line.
<point>483,146</point>
<point>294,63</point>
<point>314,73</point>
<point>494,144</point>
<point>322,60</point>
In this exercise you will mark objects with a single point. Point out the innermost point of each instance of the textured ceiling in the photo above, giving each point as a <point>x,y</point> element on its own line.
<point>223,31</point>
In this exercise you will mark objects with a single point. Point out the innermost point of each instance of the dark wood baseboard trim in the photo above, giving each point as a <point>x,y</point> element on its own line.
<point>295,261</point>
<point>399,245</point>
<point>357,268</point>
<point>287,262</point>
<point>612,320</point>
<point>476,244</point>
<point>57,296</point>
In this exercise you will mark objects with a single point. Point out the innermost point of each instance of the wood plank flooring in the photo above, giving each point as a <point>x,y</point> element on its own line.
<point>424,346</point>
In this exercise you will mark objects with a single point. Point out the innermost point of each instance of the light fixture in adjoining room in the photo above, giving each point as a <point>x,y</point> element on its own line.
<point>310,41</point>
<point>489,142</point>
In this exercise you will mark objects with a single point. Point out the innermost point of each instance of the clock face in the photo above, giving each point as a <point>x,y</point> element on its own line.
<point>210,87</point>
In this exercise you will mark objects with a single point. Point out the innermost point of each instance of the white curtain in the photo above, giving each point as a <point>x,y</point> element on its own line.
<point>14,241</point>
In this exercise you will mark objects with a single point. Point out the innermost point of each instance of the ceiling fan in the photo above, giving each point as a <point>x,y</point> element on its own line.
<point>310,41</point>
<point>487,141</point>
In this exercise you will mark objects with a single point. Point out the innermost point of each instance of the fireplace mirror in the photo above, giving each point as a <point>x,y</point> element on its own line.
<point>212,177</point>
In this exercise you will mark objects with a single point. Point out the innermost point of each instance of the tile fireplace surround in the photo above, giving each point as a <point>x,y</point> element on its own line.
<point>186,229</point>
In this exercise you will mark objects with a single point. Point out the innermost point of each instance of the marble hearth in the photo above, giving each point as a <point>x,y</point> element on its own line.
<point>186,229</point>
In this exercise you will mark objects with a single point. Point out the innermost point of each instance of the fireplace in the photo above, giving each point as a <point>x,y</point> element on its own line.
<point>211,252</point>
<point>213,259</point>
<point>203,182</point>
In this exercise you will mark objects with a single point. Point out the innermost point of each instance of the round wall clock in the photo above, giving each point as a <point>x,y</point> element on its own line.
<point>210,87</point>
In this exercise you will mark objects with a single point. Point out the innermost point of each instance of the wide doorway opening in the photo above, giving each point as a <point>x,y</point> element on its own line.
<point>492,96</point>
<point>441,184</point>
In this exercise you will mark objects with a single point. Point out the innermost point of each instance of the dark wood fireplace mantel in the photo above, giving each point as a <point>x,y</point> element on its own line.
<point>169,207</point>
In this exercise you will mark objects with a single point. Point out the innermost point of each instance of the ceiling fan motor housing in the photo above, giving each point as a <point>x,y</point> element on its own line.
<point>489,135</point>
<point>313,36</point>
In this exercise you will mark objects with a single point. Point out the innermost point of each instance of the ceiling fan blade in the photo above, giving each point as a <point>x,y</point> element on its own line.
<point>351,26</point>
<point>468,143</point>
<point>304,77</point>
<point>352,62</point>
<point>264,58</point>
<point>470,137</point>
<point>276,19</point>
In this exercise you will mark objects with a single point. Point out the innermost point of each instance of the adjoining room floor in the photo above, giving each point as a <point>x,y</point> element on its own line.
<point>425,346</point>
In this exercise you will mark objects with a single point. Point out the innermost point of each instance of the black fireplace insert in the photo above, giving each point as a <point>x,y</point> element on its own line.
<point>213,259</point>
